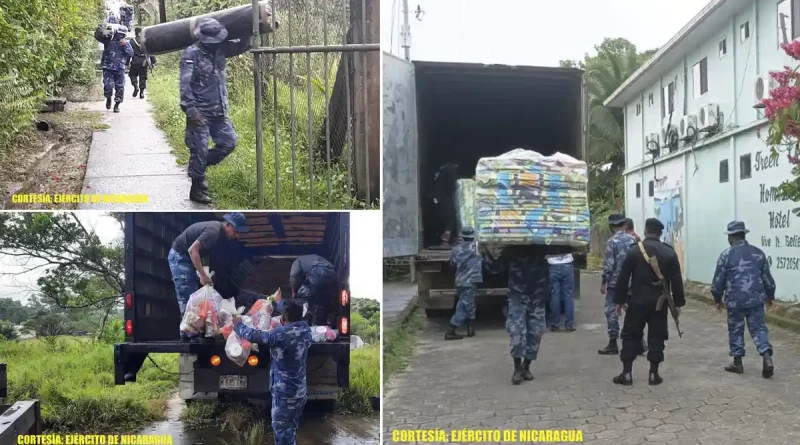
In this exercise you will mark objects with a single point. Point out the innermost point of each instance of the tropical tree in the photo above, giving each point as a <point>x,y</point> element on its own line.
<point>615,60</point>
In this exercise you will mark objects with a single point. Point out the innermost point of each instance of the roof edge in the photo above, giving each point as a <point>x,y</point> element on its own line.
<point>710,8</point>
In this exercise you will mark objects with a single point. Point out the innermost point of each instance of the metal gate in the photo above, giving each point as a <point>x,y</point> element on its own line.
<point>317,76</point>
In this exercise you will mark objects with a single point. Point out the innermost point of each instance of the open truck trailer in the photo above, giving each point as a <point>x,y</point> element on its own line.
<point>435,113</point>
<point>254,265</point>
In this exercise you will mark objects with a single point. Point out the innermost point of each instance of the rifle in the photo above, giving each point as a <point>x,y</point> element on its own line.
<point>666,296</point>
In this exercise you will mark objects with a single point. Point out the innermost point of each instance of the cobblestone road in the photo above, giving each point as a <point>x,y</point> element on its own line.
<point>466,384</point>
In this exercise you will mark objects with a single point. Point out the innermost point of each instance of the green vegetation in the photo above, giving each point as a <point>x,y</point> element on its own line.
<point>74,380</point>
<point>365,319</point>
<point>52,47</point>
<point>399,341</point>
<point>365,381</point>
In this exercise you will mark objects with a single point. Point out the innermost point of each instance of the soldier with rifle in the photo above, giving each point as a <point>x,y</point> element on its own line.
<point>654,273</point>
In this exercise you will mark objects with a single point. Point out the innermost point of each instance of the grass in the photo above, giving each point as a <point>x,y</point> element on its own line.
<point>365,381</point>
<point>399,341</point>
<point>594,262</point>
<point>233,183</point>
<point>74,380</point>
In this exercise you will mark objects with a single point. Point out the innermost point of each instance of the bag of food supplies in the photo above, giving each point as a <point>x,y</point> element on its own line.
<point>202,311</point>
<point>322,334</point>
<point>227,312</point>
<point>237,349</point>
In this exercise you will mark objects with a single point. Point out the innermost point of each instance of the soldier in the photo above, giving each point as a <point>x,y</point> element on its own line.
<point>140,62</point>
<point>126,15</point>
<point>288,350</point>
<point>616,248</point>
<point>314,281</point>
<point>185,256</point>
<point>629,229</point>
<point>743,279</point>
<point>116,51</point>
<point>469,274</point>
<point>641,302</point>
<point>204,99</point>
<point>444,188</point>
<point>528,292</point>
<point>562,282</point>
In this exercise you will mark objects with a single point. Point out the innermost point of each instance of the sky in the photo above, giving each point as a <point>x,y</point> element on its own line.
<point>366,269</point>
<point>529,32</point>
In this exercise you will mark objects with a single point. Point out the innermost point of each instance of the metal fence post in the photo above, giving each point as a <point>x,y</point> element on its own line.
<point>258,93</point>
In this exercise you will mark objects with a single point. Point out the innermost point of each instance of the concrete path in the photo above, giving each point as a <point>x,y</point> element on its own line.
<point>398,300</point>
<point>467,384</point>
<point>133,157</point>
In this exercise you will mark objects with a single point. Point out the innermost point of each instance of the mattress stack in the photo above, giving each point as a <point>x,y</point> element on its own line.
<point>465,204</point>
<point>523,198</point>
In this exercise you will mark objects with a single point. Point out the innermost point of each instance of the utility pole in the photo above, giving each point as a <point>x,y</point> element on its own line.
<point>406,32</point>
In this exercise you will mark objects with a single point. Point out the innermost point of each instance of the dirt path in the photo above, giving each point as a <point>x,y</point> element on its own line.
<point>132,157</point>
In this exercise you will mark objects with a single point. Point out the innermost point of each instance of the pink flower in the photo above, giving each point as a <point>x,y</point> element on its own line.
<point>792,49</point>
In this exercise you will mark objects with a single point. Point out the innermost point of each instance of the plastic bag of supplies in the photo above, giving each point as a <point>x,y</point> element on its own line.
<point>237,349</point>
<point>202,312</point>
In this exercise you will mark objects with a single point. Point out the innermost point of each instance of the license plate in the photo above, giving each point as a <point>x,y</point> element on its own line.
<point>233,382</point>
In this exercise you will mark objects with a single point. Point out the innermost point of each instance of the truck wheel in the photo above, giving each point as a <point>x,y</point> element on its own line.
<point>437,313</point>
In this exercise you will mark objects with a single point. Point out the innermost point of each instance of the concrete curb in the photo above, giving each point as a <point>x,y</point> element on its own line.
<point>400,318</point>
<point>785,315</point>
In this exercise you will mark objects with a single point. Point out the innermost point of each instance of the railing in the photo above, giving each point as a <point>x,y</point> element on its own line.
<point>321,89</point>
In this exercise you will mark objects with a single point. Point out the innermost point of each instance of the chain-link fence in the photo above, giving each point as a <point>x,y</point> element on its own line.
<point>314,79</point>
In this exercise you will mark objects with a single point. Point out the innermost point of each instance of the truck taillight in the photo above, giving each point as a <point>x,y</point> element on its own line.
<point>252,360</point>
<point>129,327</point>
<point>344,297</point>
<point>215,360</point>
<point>128,300</point>
<point>344,326</point>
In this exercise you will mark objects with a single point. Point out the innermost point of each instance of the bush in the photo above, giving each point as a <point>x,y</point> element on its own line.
<point>76,386</point>
<point>7,330</point>
<point>46,44</point>
<point>365,381</point>
<point>113,333</point>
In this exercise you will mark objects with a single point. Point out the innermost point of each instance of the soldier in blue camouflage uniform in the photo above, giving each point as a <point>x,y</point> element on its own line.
<point>314,281</point>
<point>469,273</point>
<point>743,279</point>
<point>616,249</point>
<point>204,99</point>
<point>126,15</point>
<point>116,52</point>
<point>528,295</point>
<point>288,351</point>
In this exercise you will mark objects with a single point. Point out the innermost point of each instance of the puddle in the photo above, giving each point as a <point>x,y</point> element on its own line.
<point>332,429</point>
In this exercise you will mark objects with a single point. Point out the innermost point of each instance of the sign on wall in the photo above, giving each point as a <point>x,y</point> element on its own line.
<point>668,206</point>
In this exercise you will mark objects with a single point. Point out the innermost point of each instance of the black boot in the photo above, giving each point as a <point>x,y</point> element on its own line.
<point>135,91</point>
<point>470,329</point>
<point>610,349</point>
<point>108,103</point>
<point>199,193</point>
<point>626,377</point>
<point>516,379</point>
<point>116,107</point>
<point>141,94</point>
<point>768,368</point>
<point>451,334</point>
<point>526,370</point>
<point>736,367</point>
<point>654,379</point>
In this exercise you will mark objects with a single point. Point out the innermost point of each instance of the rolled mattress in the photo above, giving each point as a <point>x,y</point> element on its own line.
<point>465,204</point>
<point>523,197</point>
<point>175,36</point>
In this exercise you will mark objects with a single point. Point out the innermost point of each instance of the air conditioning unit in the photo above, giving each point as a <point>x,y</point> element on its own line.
<point>687,129</point>
<point>762,87</point>
<point>669,137</point>
<point>651,143</point>
<point>708,118</point>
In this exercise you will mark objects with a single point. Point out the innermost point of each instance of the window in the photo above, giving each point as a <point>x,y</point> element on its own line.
<point>668,100</point>
<point>723,48</point>
<point>700,75</point>
<point>723,170</point>
<point>744,166</point>
<point>650,99</point>
<point>638,190</point>
<point>638,109</point>
<point>787,28</point>
<point>744,31</point>
<point>651,188</point>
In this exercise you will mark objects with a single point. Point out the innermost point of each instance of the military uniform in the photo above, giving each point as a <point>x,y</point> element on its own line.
<point>743,279</point>
<point>641,301</point>
<point>204,99</point>
<point>315,282</point>
<point>126,15</point>
<point>288,350</point>
<point>114,59</point>
<point>616,249</point>
<point>444,188</point>
<point>528,294</point>
<point>469,273</point>
<point>140,62</point>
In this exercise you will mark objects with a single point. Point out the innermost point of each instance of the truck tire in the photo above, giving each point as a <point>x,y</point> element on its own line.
<point>437,313</point>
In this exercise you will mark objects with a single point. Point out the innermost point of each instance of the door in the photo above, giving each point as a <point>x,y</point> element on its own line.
<point>400,193</point>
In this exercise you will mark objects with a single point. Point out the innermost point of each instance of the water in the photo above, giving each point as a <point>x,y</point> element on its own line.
<point>333,429</point>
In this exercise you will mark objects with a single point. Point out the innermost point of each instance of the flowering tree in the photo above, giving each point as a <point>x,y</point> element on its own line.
<point>782,109</point>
